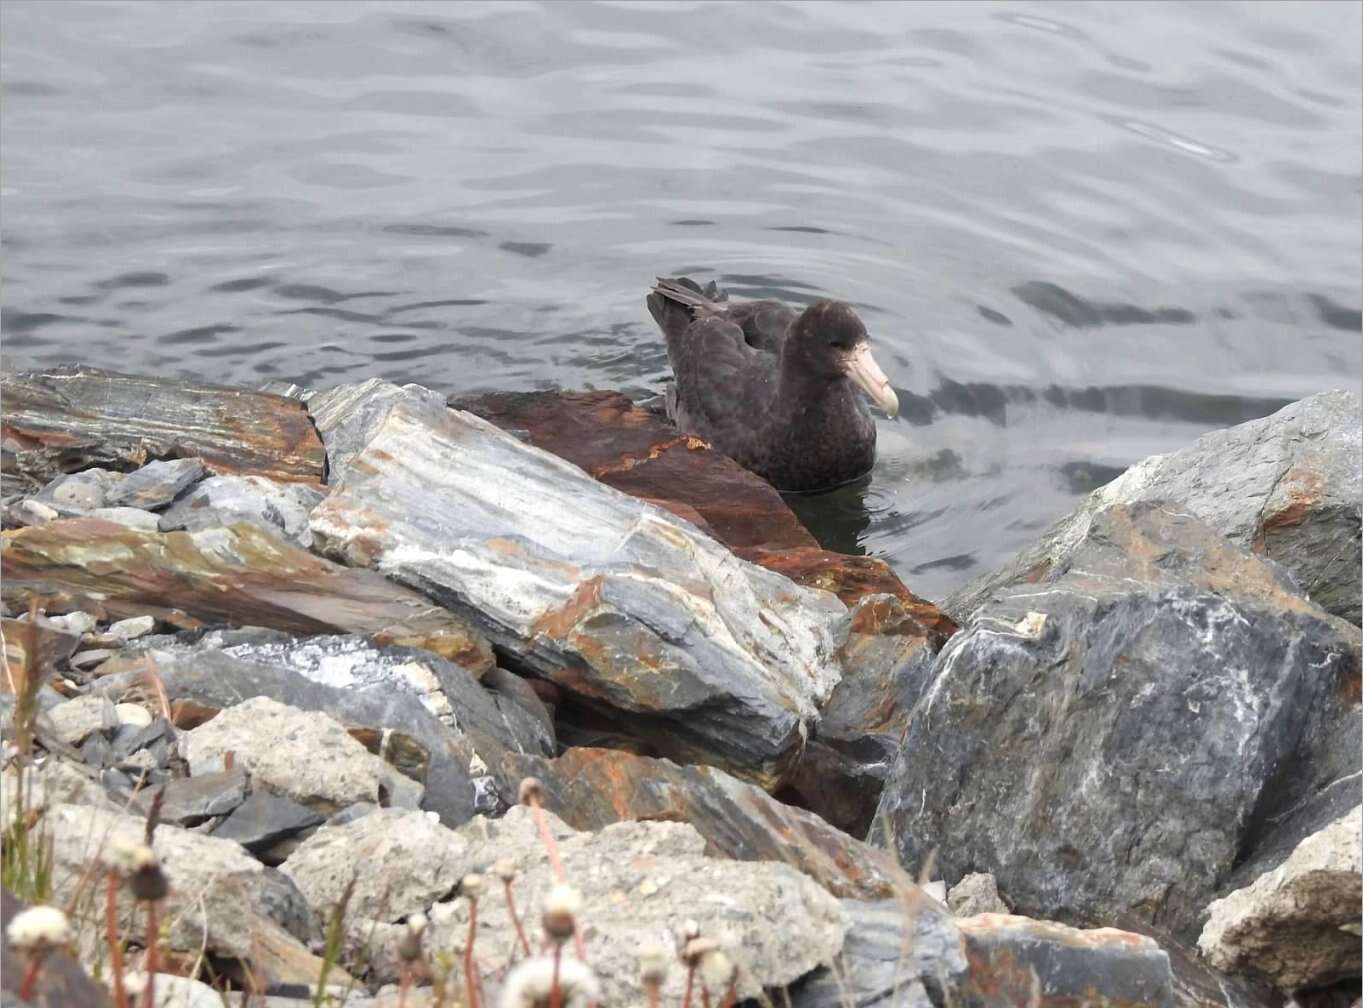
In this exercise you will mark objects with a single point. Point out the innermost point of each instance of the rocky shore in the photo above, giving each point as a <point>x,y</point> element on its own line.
<point>311,645</point>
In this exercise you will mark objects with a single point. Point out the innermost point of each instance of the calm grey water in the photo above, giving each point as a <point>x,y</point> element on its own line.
<point>1080,234</point>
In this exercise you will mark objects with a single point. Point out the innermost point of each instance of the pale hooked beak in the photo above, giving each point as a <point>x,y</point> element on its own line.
<point>863,369</point>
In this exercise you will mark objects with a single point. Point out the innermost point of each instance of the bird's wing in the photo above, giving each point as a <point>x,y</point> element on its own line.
<point>764,323</point>
<point>723,384</point>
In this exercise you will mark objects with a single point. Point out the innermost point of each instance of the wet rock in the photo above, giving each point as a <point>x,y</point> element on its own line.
<point>976,893</point>
<point>156,484</point>
<point>639,881</point>
<point>1298,924</point>
<point>306,756</point>
<point>281,508</point>
<point>241,575</point>
<point>886,655</point>
<point>221,899</point>
<point>640,453</point>
<point>1287,487</point>
<point>897,955</point>
<point>268,825</point>
<point>401,863</point>
<point>190,800</point>
<point>591,788</point>
<point>611,598</point>
<point>1109,743</point>
<point>70,418</point>
<point>130,517</point>
<point>1020,961</point>
<point>76,720</point>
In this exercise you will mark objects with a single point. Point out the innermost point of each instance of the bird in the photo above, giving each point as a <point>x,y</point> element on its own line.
<point>773,388</point>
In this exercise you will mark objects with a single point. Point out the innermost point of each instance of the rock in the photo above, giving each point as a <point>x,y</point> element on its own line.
<point>1287,487</point>
<point>132,628</point>
<point>74,622</point>
<point>591,788</point>
<point>896,955</point>
<point>977,893</point>
<point>156,484</point>
<point>280,508</point>
<point>1020,961</point>
<point>611,598</point>
<point>1134,739</point>
<point>221,899</point>
<point>190,800</point>
<point>130,517</point>
<point>241,575</point>
<point>29,512</point>
<point>886,655</point>
<point>1298,924</point>
<point>77,719</point>
<point>640,881</point>
<point>200,678</point>
<point>175,991</point>
<point>55,781</point>
<point>80,492</point>
<point>306,756</point>
<point>128,739</point>
<point>640,453</point>
<point>132,715</point>
<point>90,658</point>
<point>267,825</point>
<point>401,863</point>
<point>69,418</point>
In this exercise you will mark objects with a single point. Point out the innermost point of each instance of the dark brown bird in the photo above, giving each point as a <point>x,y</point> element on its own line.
<point>772,388</point>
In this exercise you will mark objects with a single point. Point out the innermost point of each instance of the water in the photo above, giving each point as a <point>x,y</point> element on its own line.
<point>1079,234</point>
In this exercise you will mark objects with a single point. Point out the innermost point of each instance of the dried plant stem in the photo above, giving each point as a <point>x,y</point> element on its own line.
<point>32,969</point>
<point>556,992</point>
<point>731,995</point>
<point>153,940</point>
<point>470,982</point>
<point>515,918</point>
<point>704,996</point>
<point>112,882</point>
<point>404,984</point>
<point>653,995</point>
<point>690,980</point>
<point>555,863</point>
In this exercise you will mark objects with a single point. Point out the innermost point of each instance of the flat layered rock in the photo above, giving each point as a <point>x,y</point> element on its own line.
<point>591,788</point>
<point>611,598</point>
<point>640,453</point>
<point>69,418</point>
<point>1109,744</point>
<point>1286,487</point>
<point>238,575</point>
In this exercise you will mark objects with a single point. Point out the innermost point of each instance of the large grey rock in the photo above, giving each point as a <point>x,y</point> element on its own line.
<point>1287,486</point>
<point>639,882</point>
<point>267,825</point>
<point>156,484</point>
<point>74,721</point>
<point>614,599</point>
<point>188,801</point>
<point>1297,925</point>
<point>282,508</point>
<point>221,898</point>
<point>1107,744</point>
<point>305,755</point>
<point>78,493</point>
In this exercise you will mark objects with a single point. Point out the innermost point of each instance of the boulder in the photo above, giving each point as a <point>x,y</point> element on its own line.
<point>1287,487</point>
<point>592,788</point>
<point>68,418</point>
<point>1107,744</point>
<point>279,508</point>
<point>268,825</point>
<point>239,575</point>
<point>1297,925</point>
<point>639,881</point>
<point>613,599</point>
<point>303,755</point>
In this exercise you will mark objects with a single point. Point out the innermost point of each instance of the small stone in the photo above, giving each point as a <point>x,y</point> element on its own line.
<point>76,720</point>
<point>937,890</point>
<point>134,518</point>
<point>132,714</point>
<point>78,492</point>
<point>73,622</point>
<point>977,893</point>
<point>131,629</point>
<point>156,484</point>
<point>87,659</point>
<point>31,512</point>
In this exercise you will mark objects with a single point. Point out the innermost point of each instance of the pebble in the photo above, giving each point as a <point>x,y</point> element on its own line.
<point>133,518</point>
<point>76,720</point>
<point>86,659</point>
<point>131,629</point>
<point>73,622</point>
<point>132,714</point>
<point>32,512</point>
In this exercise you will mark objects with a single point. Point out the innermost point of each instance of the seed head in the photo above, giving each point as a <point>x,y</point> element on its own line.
<point>689,929</point>
<point>696,948</point>
<point>560,912</point>
<point>39,929</point>
<point>409,945</point>
<point>505,869</point>
<point>472,885</point>
<point>131,857</point>
<point>716,969</point>
<point>653,960</point>
<point>531,791</point>
<point>531,983</point>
